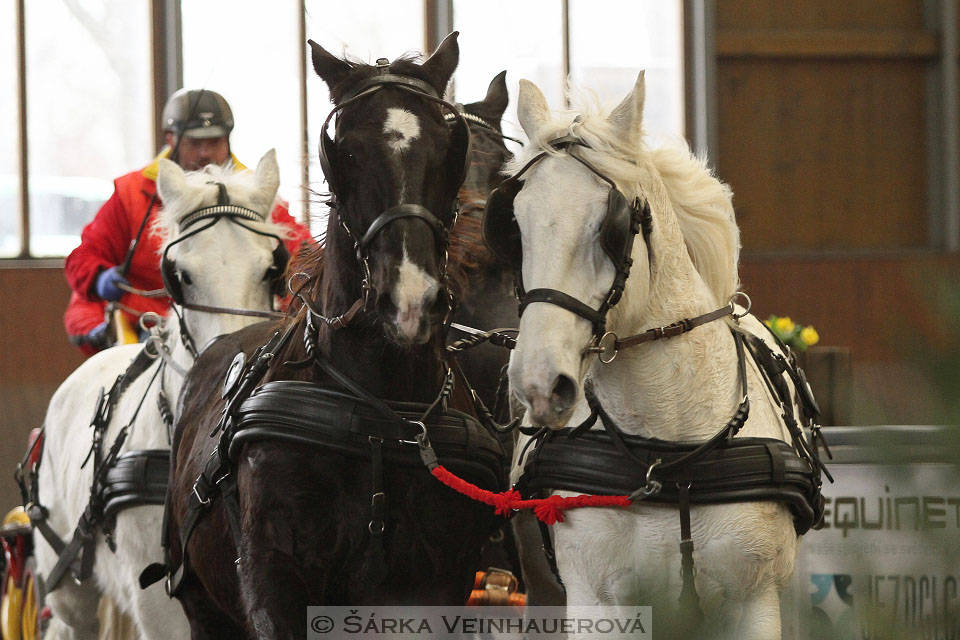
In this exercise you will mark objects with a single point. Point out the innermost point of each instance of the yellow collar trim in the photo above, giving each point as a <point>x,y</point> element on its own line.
<point>150,171</point>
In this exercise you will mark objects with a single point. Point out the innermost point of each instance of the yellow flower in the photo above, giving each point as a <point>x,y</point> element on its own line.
<point>784,325</point>
<point>809,336</point>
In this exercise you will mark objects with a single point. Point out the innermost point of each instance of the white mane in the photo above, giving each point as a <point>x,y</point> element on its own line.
<point>700,202</point>
<point>243,188</point>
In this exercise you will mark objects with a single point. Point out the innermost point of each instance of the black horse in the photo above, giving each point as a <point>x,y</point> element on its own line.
<point>311,493</point>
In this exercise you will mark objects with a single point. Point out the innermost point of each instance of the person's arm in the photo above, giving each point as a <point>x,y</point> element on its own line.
<point>103,244</point>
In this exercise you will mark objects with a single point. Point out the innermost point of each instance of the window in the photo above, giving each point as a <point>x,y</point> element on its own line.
<point>528,45</point>
<point>248,51</point>
<point>609,47</point>
<point>88,111</point>
<point>9,166</point>
<point>364,30</point>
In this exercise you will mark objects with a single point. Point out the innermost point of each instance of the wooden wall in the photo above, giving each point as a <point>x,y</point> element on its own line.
<point>35,358</point>
<point>823,122</point>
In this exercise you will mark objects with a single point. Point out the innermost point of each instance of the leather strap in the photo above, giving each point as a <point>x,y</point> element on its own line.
<point>689,599</point>
<point>672,330</point>
<point>561,299</point>
<point>392,79</point>
<point>404,211</point>
<point>374,565</point>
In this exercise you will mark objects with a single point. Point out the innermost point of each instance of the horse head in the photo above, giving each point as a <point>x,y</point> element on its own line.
<point>394,167</point>
<point>568,227</point>
<point>220,248</point>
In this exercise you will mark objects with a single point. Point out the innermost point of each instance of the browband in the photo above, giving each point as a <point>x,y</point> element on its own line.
<point>216,211</point>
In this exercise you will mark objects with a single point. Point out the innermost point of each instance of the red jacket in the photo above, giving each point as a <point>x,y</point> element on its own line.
<point>105,241</point>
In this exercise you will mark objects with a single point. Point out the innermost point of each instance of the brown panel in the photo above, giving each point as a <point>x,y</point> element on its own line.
<point>36,358</point>
<point>896,315</point>
<point>826,43</point>
<point>824,154</point>
<point>890,14</point>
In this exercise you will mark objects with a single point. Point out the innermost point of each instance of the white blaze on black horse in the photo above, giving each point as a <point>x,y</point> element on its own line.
<point>333,503</point>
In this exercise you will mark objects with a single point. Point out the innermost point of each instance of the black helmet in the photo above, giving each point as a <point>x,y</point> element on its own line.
<point>197,113</point>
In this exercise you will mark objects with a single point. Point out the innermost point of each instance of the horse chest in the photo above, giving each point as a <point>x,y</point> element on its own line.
<point>613,556</point>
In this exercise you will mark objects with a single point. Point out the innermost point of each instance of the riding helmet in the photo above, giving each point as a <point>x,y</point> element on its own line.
<point>197,113</point>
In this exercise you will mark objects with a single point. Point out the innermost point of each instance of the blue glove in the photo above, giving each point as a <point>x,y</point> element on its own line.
<point>107,284</point>
<point>97,337</point>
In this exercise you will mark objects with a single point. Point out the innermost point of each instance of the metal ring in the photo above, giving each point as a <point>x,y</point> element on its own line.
<point>375,527</point>
<point>290,282</point>
<point>157,343</point>
<point>149,317</point>
<point>607,344</point>
<point>740,294</point>
<point>650,470</point>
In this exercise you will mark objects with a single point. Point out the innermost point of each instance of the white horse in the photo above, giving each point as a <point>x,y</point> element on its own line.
<point>681,389</point>
<point>225,265</point>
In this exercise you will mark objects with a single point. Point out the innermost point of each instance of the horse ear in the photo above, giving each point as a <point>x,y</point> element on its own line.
<point>439,67</point>
<point>628,116</point>
<point>497,98</point>
<point>268,177</point>
<point>532,108</point>
<point>329,67</point>
<point>171,181</point>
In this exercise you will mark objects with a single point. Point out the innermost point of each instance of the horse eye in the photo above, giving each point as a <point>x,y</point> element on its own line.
<point>185,278</point>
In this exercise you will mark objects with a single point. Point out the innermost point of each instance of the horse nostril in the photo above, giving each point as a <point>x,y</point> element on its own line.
<point>564,393</point>
<point>385,306</point>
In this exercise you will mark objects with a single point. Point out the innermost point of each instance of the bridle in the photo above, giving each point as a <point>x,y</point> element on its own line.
<point>327,154</point>
<point>621,224</point>
<point>211,216</point>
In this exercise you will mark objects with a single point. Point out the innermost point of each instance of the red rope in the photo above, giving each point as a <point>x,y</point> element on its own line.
<point>550,510</point>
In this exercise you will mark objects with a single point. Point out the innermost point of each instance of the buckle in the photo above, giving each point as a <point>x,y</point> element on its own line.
<point>203,502</point>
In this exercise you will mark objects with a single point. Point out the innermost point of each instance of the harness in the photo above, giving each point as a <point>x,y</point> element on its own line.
<point>619,469</point>
<point>721,470</point>
<point>119,482</point>
<point>348,421</point>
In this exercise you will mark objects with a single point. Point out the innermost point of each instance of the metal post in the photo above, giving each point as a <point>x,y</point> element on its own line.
<point>304,137</point>
<point>167,43</point>
<point>700,65</point>
<point>437,22</point>
<point>22,130</point>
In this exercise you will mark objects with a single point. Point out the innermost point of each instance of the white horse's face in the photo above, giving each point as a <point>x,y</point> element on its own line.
<point>224,264</point>
<point>560,211</point>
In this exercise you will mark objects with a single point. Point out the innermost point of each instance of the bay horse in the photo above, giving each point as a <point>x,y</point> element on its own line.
<point>602,346</point>
<point>222,264</point>
<point>487,302</point>
<point>313,493</point>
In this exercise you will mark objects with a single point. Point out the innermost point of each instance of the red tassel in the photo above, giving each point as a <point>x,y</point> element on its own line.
<point>550,510</point>
<point>504,502</point>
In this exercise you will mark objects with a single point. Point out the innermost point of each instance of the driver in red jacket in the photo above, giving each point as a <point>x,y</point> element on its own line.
<point>197,125</point>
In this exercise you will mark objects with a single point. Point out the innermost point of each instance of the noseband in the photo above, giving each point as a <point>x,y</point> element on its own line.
<point>461,139</point>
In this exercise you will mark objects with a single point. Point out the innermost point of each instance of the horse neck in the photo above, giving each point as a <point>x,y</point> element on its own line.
<point>385,369</point>
<point>682,388</point>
